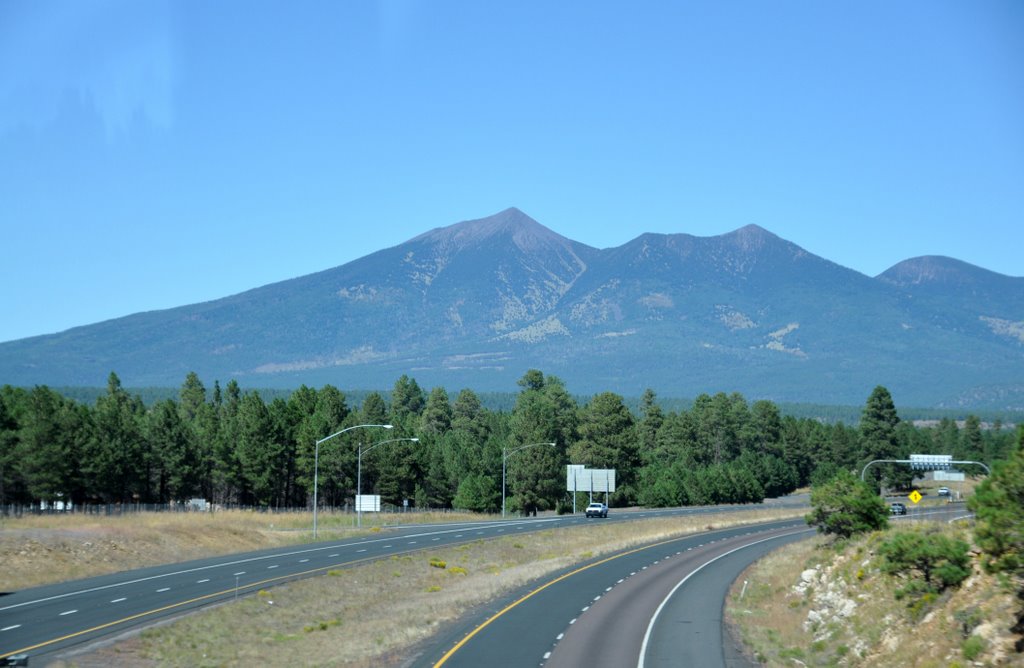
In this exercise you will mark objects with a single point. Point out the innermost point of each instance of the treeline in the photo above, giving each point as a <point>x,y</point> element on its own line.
<point>233,447</point>
<point>506,401</point>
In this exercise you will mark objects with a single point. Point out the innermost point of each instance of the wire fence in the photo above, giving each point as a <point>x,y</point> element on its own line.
<point>117,509</point>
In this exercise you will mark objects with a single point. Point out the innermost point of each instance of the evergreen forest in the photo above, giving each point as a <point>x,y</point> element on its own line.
<point>235,448</point>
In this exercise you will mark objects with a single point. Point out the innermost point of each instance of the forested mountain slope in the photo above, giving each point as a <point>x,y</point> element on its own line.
<point>477,303</point>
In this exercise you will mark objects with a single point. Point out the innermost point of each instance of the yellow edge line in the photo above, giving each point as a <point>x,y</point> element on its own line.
<point>544,586</point>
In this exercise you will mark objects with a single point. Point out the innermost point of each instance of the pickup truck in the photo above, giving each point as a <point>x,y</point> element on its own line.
<point>597,510</point>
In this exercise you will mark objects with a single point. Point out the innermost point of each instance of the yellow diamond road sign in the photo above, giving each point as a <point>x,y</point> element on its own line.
<point>915,496</point>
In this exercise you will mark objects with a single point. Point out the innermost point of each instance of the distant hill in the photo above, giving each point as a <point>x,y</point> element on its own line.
<point>477,303</point>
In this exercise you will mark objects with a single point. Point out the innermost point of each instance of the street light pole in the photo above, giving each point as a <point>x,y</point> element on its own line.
<point>359,473</point>
<point>505,452</point>
<point>316,462</point>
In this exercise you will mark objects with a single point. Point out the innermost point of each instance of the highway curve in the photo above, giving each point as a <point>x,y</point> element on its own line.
<point>46,622</point>
<point>657,605</point>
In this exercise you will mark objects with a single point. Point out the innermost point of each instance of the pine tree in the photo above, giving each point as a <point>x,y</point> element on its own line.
<point>651,419</point>
<point>845,506</point>
<point>607,440</point>
<point>117,459</point>
<point>878,433</point>
<point>176,462</point>
<point>45,456</point>
<point>259,455</point>
<point>437,414</point>
<point>468,416</point>
<point>998,504</point>
<point>544,412</point>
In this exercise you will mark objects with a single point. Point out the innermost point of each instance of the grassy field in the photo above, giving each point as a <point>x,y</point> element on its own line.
<point>40,549</point>
<point>372,614</point>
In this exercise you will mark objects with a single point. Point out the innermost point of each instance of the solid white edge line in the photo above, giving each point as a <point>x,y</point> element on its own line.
<point>654,618</point>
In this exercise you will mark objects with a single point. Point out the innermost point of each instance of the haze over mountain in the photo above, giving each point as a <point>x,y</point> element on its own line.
<point>477,303</point>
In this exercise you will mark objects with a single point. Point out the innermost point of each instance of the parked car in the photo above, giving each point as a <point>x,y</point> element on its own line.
<point>943,491</point>
<point>597,510</point>
<point>897,509</point>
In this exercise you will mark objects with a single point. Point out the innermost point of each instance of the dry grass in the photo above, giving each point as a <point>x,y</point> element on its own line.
<point>778,624</point>
<point>41,549</point>
<point>373,614</point>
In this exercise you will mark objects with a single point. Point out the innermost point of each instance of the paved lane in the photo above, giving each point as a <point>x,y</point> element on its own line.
<point>596,614</point>
<point>687,628</point>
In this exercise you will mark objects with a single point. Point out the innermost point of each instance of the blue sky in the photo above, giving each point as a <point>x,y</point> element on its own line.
<point>155,154</point>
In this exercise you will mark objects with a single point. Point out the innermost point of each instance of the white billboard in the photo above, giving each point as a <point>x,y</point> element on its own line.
<point>368,503</point>
<point>579,478</point>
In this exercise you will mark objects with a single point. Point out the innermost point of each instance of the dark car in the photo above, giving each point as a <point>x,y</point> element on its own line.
<point>597,510</point>
<point>897,509</point>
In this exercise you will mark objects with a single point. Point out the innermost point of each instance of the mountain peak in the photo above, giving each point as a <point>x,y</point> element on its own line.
<point>510,224</point>
<point>935,270</point>
<point>751,237</point>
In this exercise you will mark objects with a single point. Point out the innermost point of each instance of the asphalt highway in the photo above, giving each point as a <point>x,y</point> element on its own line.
<point>47,621</point>
<point>639,607</point>
<point>655,606</point>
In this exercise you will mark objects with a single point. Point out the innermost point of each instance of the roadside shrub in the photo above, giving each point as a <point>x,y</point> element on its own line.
<point>969,620</point>
<point>973,647</point>
<point>845,506</point>
<point>929,562</point>
<point>998,503</point>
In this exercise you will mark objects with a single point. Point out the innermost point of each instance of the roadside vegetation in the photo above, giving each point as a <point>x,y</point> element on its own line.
<point>868,593</point>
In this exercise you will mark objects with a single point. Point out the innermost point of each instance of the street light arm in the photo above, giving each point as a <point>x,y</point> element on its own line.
<point>316,462</point>
<point>339,433</point>
<point>391,440</point>
<point>523,447</point>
